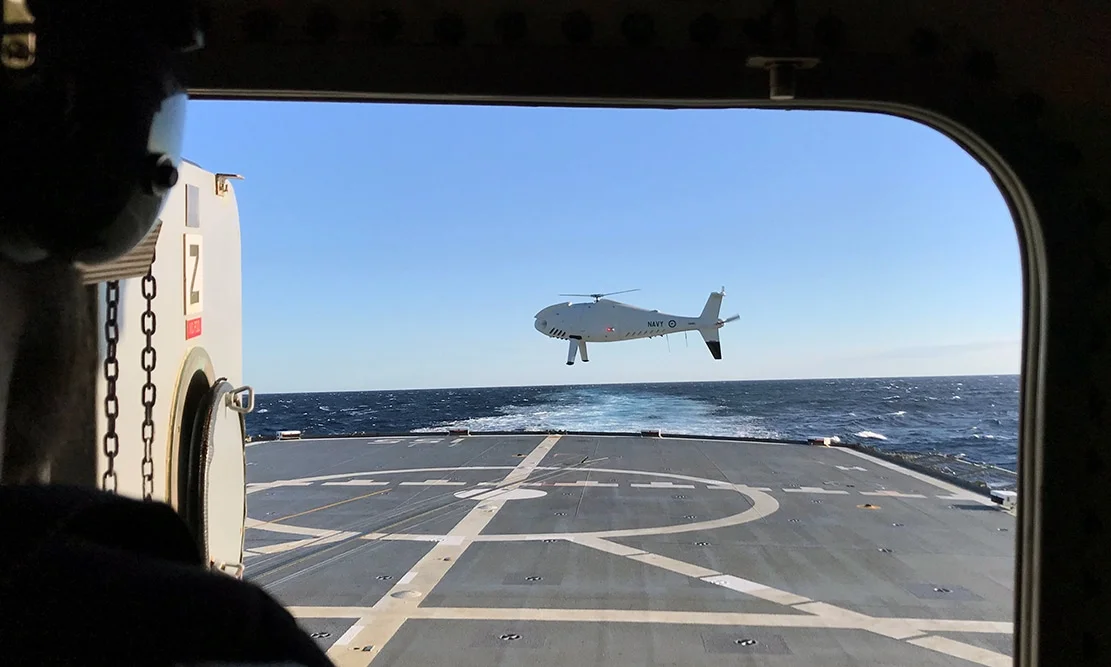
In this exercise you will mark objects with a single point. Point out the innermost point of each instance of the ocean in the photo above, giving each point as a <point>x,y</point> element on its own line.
<point>973,418</point>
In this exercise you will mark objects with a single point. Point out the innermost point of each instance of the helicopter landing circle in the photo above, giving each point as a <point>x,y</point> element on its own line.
<point>762,504</point>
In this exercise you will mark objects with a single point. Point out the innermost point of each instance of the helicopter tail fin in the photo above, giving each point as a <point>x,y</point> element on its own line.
<point>712,308</point>
<point>710,335</point>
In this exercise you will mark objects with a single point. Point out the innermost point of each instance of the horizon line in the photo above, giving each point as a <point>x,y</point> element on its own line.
<point>605,384</point>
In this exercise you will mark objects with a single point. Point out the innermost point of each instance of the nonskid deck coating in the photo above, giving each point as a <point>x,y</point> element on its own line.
<point>625,550</point>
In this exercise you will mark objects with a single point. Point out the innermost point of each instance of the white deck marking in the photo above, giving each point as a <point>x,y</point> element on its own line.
<point>455,442</point>
<point>286,528</point>
<point>262,486</point>
<point>851,468</point>
<point>597,484</point>
<point>346,637</point>
<point>470,492</point>
<point>965,651</point>
<point>305,481</point>
<point>827,615</point>
<point>452,540</point>
<point>816,489</point>
<point>756,590</point>
<point>719,486</point>
<point>390,612</point>
<point>953,489</point>
<point>893,628</point>
<point>607,546</point>
<point>409,576</point>
<point>763,504</point>
<point>335,536</point>
<point>649,616</point>
<point>672,564</point>
<point>711,483</point>
<point>501,494</point>
<point>892,493</point>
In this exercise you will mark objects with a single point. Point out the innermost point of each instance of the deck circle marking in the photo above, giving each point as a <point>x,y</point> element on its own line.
<point>763,504</point>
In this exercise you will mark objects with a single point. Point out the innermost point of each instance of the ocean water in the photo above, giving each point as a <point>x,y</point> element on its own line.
<point>971,417</point>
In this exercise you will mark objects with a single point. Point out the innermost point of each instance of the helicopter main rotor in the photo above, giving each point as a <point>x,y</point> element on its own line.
<point>596,297</point>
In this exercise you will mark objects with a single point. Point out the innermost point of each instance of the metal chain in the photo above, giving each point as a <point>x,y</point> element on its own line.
<point>149,359</point>
<point>109,481</point>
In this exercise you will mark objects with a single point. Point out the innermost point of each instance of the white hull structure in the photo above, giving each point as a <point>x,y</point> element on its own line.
<point>189,450</point>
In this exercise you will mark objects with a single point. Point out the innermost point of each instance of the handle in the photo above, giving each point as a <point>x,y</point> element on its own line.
<point>233,401</point>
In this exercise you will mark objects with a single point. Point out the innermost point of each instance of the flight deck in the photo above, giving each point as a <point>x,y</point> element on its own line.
<point>478,550</point>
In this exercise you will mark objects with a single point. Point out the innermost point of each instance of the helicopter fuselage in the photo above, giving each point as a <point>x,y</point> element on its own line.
<point>607,321</point>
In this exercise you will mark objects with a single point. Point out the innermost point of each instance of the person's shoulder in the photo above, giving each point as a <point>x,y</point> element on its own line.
<point>43,512</point>
<point>119,560</point>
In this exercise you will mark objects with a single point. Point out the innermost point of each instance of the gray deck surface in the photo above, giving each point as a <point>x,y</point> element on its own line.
<point>576,550</point>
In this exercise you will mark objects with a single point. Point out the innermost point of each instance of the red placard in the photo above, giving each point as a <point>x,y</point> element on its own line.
<point>192,328</point>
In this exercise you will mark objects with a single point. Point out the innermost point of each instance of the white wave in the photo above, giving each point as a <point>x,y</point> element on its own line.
<point>593,410</point>
<point>262,411</point>
<point>870,435</point>
<point>900,413</point>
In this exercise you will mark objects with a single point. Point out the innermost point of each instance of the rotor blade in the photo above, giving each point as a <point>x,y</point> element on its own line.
<point>730,319</point>
<point>624,291</point>
<point>599,296</point>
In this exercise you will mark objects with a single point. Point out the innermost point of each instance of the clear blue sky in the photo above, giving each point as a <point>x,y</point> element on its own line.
<point>391,246</point>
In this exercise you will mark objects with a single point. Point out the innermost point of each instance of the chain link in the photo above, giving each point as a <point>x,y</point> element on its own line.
<point>150,392</point>
<point>109,481</point>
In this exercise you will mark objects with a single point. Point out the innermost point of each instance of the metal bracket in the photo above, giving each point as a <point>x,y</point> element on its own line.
<point>221,566</point>
<point>782,73</point>
<point>232,400</point>
<point>17,47</point>
<point>222,183</point>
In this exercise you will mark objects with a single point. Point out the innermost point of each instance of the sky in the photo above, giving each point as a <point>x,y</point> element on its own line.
<point>406,246</point>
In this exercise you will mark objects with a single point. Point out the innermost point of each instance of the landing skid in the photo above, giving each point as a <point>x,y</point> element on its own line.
<point>577,345</point>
